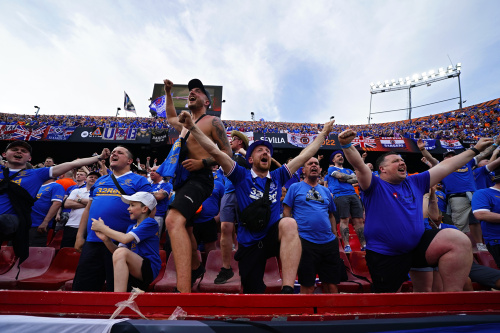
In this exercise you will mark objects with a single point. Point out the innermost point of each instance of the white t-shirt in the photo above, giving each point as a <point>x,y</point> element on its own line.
<point>76,214</point>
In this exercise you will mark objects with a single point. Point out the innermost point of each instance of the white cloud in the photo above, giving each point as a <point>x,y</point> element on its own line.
<point>284,60</point>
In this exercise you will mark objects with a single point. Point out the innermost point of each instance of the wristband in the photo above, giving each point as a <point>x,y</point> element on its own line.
<point>205,163</point>
<point>477,152</point>
<point>494,145</point>
<point>346,146</point>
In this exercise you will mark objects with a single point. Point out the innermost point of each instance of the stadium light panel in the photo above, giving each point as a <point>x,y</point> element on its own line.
<point>393,80</point>
<point>424,74</point>
<point>372,84</point>
<point>378,83</point>
<point>407,78</point>
<point>450,67</point>
<point>459,66</point>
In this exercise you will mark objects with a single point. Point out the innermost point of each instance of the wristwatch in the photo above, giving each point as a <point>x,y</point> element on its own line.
<point>79,200</point>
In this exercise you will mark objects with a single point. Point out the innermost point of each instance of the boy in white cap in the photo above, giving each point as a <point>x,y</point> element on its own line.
<point>136,260</point>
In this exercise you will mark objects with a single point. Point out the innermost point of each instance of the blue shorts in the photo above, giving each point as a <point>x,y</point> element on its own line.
<point>229,208</point>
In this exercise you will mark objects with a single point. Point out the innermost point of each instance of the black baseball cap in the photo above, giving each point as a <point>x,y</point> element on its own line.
<point>195,83</point>
<point>449,152</point>
<point>94,173</point>
<point>19,143</point>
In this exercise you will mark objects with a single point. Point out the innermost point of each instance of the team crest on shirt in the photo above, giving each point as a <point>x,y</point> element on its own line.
<point>127,182</point>
<point>395,195</point>
<point>22,173</point>
<point>256,194</point>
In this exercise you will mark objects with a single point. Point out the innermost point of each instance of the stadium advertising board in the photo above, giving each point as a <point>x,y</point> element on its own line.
<point>118,135</point>
<point>180,94</point>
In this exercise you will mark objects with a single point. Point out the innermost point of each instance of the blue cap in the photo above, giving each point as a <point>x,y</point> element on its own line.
<point>335,153</point>
<point>258,143</point>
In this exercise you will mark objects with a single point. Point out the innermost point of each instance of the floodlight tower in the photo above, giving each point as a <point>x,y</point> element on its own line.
<point>417,80</point>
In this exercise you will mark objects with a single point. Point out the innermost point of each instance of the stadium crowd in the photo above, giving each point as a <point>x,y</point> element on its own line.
<point>470,123</point>
<point>115,214</point>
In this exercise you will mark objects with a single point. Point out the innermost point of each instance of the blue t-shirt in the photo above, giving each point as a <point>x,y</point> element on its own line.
<point>483,177</point>
<point>219,176</point>
<point>46,195</point>
<point>488,199</point>
<point>29,179</point>
<point>310,208</point>
<point>162,205</point>
<point>211,205</point>
<point>461,180</point>
<point>393,224</point>
<point>108,205</point>
<point>250,187</point>
<point>337,187</point>
<point>442,205</point>
<point>146,242</point>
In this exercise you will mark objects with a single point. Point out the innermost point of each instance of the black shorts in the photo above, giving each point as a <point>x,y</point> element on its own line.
<point>252,261</point>
<point>389,272</point>
<point>147,277</point>
<point>205,232</point>
<point>321,259</point>
<point>349,206</point>
<point>191,195</point>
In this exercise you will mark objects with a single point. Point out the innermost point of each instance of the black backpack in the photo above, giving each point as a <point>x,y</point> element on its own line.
<point>256,216</point>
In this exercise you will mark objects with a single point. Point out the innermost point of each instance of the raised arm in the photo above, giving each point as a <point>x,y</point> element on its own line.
<point>495,164</point>
<point>426,154</point>
<point>485,153</point>
<point>363,172</point>
<point>172,118</point>
<point>60,169</point>
<point>310,150</point>
<point>220,137</point>
<point>220,157</point>
<point>449,165</point>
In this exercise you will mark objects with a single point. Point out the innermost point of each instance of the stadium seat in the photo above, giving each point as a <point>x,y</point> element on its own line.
<point>50,234</point>
<point>353,284</point>
<point>61,270</point>
<point>163,257</point>
<point>214,263</point>
<point>272,277</point>
<point>168,282</point>
<point>354,242</point>
<point>56,240</point>
<point>7,258</point>
<point>37,263</point>
<point>485,258</point>
<point>358,264</point>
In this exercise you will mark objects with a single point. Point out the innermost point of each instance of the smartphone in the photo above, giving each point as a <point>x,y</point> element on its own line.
<point>332,117</point>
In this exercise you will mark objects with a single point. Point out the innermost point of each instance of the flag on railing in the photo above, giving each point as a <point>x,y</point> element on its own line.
<point>128,105</point>
<point>158,106</point>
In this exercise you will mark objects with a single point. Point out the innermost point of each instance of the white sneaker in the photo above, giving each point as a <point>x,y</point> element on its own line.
<point>481,247</point>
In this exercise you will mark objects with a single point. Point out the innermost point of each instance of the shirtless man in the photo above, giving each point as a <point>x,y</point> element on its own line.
<point>199,184</point>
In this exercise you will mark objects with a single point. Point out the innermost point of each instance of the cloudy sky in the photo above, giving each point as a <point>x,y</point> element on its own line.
<point>295,61</point>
